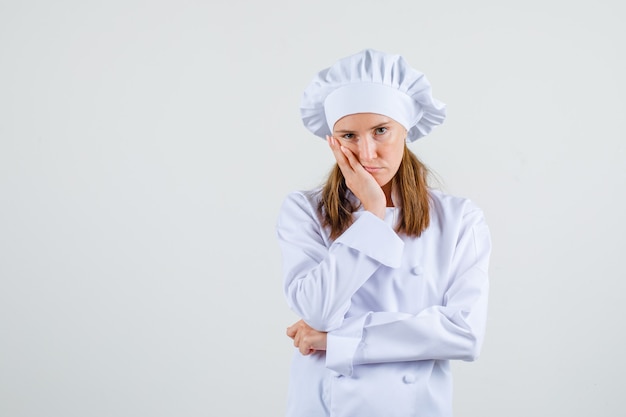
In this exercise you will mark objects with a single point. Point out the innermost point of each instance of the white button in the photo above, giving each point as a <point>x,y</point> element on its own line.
<point>409,379</point>
<point>417,270</point>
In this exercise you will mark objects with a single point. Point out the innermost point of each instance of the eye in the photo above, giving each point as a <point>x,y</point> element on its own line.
<point>380,130</point>
<point>348,136</point>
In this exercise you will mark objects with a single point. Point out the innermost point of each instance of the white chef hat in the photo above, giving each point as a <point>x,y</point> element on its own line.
<point>371,82</point>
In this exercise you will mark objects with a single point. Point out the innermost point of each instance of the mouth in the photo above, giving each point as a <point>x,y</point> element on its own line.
<point>372,170</point>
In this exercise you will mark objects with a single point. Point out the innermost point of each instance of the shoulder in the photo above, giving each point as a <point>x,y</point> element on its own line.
<point>453,208</point>
<point>299,216</point>
<point>301,204</point>
<point>304,198</point>
<point>460,221</point>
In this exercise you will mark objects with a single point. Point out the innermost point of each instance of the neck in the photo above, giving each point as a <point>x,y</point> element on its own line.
<point>387,190</point>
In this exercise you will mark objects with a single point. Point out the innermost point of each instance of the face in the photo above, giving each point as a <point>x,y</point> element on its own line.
<point>376,140</point>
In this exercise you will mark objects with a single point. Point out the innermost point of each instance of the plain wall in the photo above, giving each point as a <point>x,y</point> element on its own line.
<point>146,146</point>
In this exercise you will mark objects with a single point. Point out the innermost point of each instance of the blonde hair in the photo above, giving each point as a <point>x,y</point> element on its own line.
<point>410,183</point>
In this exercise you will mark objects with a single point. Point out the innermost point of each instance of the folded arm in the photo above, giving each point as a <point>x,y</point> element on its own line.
<point>320,277</point>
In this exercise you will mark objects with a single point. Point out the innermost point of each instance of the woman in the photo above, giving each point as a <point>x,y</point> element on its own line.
<point>388,276</point>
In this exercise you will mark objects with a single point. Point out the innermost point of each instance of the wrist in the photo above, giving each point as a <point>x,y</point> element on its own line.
<point>376,211</point>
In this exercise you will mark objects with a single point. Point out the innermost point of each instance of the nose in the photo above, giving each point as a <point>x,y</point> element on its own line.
<point>367,149</point>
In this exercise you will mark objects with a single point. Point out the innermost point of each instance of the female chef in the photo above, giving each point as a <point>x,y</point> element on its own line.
<point>388,275</point>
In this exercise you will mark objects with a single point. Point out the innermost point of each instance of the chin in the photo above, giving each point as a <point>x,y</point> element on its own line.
<point>383,183</point>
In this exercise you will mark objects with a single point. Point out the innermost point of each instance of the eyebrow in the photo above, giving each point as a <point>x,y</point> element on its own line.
<point>384,124</point>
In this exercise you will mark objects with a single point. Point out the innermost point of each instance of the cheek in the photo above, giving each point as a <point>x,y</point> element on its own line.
<point>397,156</point>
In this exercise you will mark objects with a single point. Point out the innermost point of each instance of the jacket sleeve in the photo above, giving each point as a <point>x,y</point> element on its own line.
<point>454,330</point>
<point>320,276</point>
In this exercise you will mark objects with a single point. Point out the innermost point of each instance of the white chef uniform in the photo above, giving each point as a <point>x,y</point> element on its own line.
<point>396,308</point>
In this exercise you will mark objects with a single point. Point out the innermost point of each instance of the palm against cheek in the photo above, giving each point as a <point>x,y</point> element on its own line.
<point>358,180</point>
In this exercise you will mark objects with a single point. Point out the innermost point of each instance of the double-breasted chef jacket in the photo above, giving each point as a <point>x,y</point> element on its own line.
<point>397,309</point>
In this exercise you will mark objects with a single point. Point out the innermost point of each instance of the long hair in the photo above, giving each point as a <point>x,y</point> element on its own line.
<point>410,181</point>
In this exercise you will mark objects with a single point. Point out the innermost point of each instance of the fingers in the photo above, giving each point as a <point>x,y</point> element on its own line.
<point>347,161</point>
<point>312,342</point>
<point>352,160</point>
<point>291,331</point>
<point>303,344</point>
<point>297,334</point>
<point>304,349</point>
<point>305,338</point>
<point>340,157</point>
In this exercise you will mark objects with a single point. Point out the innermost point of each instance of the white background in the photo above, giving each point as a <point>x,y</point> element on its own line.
<point>146,146</point>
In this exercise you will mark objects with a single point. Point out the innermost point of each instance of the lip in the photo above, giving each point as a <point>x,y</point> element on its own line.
<point>372,169</point>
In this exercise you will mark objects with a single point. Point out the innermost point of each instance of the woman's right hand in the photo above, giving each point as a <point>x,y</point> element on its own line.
<point>358,180</point>
<point>305,338</point>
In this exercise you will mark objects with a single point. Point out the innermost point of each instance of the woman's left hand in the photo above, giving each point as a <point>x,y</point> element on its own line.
<point>306,338</point>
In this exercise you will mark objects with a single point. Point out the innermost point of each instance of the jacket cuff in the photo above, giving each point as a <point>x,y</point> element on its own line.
<point>374,238</point>
<point>342,345</point>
